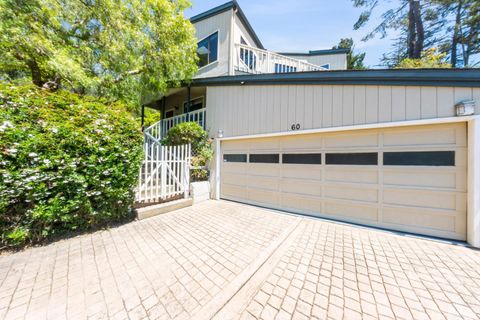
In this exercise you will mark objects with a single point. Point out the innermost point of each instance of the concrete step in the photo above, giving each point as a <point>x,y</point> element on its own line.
<point>157,209</point>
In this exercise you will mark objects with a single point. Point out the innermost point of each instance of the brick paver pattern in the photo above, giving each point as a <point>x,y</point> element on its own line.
<point>169,266</point>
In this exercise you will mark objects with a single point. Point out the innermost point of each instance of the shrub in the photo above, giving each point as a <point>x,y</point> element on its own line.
<point>193,133</point>
<point>66,163</point>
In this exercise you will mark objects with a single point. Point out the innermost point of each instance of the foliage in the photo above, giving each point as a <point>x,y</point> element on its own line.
<point>66,163</point>
<point>461,20</point>
<point>452,26</point>
<point>128,50</point>
<point>151,117</point>
<point>430,59</point>
<point>354,60</point>
<point>193,133</point>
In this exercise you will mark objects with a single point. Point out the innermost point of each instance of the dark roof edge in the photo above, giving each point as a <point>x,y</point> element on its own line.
<point>316,52</point>
<point>212,12</point>
<point>401,77</point>
<point>225,7</point>
<point>247,24</point>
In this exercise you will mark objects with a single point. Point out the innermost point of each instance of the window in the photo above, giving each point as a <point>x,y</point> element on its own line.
<point>326,66</point>
<point>169,113</point>
<point>242,41</point>
<point>195,104</point>
<point>234,158</point>
<point>264,158</point>
<point>208,50</point>
<point>352,158</point>
<point>419,158</point>
<point>302,158</point>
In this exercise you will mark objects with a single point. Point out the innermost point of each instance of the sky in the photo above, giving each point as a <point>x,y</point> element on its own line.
<point>303,25</point>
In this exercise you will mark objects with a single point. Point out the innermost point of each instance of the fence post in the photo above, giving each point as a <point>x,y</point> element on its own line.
<point>163,175</point>
<point>187,171</point>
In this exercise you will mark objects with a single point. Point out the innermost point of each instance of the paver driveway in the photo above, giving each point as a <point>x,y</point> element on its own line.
<point>226,260</point>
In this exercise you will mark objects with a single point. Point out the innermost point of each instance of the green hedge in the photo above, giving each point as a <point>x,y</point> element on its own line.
<point>67,163</point>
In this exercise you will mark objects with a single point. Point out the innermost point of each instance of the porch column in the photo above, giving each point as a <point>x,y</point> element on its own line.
<point>189,99</point>
<point>162,108</point>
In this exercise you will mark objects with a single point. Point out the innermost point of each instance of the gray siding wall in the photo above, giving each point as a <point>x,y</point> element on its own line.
<point>336,61</point>
<point>247,110</point>
<point>204,28</point>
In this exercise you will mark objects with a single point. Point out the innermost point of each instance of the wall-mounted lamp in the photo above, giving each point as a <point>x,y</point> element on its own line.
<point>220,133</point>
<point>465,108</point>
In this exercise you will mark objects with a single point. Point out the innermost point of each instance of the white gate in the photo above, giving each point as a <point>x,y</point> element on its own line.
<point>164,173</point>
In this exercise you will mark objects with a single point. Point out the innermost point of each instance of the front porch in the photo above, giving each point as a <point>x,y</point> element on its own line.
<point>177,106</point>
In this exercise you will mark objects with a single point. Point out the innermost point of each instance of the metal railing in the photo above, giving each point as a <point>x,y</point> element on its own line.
<point>254,60</point>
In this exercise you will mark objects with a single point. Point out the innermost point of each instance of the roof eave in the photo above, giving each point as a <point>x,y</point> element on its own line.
<point>417,77</point>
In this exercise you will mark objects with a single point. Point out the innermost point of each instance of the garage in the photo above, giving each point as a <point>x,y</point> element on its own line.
<point>410,179</point>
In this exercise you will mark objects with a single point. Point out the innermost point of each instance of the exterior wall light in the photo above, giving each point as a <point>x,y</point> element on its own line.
<point>465,108</point>
<point>220,133</point>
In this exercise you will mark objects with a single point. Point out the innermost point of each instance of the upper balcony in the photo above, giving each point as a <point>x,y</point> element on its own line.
<point>253,60</point>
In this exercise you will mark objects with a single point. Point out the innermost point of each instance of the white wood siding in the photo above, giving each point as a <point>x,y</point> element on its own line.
<point>336,61</point>
<point>241,31</point>
<point>204,28</point>
<point>247,110</point>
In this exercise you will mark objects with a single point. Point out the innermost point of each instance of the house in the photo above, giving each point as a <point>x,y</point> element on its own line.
<point>393,149</point>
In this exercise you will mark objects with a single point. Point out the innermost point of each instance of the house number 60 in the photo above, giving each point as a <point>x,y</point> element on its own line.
<point>296,126</point>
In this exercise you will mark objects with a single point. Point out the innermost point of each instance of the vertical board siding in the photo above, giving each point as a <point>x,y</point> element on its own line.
<point>204,28</point>
<point>327,104</point>
<point>385,104</point>
<point>348,100</point>
<point>359,105</point>
<point>398,104</point>
<point>247,110</point>
<point>337,106</point>
<point>413,103</point>
<point>428,102</point>
<point>371,107</point>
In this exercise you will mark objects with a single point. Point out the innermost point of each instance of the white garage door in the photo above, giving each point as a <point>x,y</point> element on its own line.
<point>409,179</point>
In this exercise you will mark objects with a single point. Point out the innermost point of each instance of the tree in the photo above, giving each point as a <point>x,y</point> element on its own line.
<point>128,50</point>
<point>354,60</point>
<point>462,39</point>
<point>429,59</point>
<point>409,11</point>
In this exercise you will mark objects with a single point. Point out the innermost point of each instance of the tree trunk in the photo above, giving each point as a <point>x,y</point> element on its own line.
<point>419,30</point>
<point>456,30</point>
<point>411,36</point>
<point>36,72</point>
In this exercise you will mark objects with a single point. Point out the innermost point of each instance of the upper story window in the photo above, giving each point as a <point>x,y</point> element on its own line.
<point>208,50</point>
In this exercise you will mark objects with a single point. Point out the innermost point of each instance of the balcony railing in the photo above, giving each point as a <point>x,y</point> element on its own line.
<point>254,60</point>
<point>158,130</point>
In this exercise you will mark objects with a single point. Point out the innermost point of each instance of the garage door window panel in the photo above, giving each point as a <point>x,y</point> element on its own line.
<point>369,158</point>
<point>419,158</point>
<point>264,158</point>
<point>302,158</point>
<point>235,158</point>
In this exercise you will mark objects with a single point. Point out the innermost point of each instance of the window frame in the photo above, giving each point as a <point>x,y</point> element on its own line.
<point>218,48</point>
<point>197,98</point>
